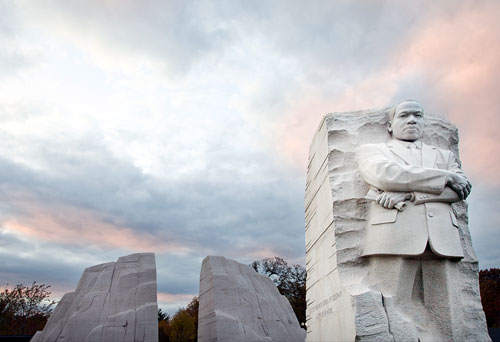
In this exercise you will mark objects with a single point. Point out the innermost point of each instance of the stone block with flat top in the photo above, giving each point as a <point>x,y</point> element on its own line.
<point>115,301</point>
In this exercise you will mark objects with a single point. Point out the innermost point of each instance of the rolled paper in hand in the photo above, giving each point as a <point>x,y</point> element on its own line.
<point>400,206</point>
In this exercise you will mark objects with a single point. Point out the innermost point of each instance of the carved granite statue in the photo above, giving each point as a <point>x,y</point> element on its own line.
<point>426,178</point>
<point>388,251</point>
<point>418,244</point>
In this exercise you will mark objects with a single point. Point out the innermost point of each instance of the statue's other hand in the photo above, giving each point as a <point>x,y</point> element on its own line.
<point>460,185</point>
<point>389,199</point>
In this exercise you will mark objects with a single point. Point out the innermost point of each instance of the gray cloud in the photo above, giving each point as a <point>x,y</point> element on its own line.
<point>174,33</point>
<point>13,57</point>
<point>85,174</point>
<point>44,262</point>
<point>483,223</point>
<point>219,212</point>
<point>324,38</point>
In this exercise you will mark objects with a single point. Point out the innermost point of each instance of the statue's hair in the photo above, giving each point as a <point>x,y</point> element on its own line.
<point>392,111</point>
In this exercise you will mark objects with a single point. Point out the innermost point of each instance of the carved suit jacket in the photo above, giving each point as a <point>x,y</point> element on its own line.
<point>429,218</point>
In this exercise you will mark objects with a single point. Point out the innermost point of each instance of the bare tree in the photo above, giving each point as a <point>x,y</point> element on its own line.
<point>24,309</point>
<point>290,281</point>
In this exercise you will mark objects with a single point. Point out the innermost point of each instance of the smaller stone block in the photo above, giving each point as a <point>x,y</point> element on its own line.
<point>239,304</point>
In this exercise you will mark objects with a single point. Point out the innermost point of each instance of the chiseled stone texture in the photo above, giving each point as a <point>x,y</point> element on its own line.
<point>239,304</point>
<point>340,306</point>
<point>115,301</point>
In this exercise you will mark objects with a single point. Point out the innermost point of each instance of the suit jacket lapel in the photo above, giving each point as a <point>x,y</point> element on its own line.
<point>402,152</point>
<point>428,156</point>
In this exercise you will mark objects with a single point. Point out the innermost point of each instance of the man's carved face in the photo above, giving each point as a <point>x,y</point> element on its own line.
<point>408,121</point>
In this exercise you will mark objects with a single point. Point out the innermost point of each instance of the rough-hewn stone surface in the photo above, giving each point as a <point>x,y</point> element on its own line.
<point>341,307</point>
<point>115,301</point>
<point>239,304</point>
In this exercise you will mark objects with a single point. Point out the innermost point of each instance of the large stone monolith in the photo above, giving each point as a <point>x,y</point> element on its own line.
<point>115,301</point>
<point>239,304</point>
<point>386,274</point>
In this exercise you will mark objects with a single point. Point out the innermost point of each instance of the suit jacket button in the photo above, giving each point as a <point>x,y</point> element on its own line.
<point>430,213</point>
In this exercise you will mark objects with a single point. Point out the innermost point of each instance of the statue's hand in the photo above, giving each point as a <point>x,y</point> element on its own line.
<point>459,184</point>
<point>389,199</point>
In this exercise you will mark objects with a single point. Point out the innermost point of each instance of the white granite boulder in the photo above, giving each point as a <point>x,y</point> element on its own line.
<point>239,304</point>
<point>115,301</point>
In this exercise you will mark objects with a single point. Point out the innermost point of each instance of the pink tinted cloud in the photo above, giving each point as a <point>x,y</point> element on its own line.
<point>261,253</point>
<point>166,297</point>
<point>72,225</point>
<point>459,58</point>
<point>297,129</point>
<point>248,251</point>
<point>295,132</point>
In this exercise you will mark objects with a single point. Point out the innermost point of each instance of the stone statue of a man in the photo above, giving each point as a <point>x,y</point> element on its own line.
<point>412,237</point>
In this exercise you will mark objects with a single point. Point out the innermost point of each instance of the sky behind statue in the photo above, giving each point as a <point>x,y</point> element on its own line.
<point>183,127</point>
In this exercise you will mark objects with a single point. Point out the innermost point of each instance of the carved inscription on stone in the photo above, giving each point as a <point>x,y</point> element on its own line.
<point>325,306</point>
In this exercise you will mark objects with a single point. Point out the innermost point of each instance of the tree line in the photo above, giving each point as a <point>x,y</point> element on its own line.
<point>489,286</point>
<point>25,309</point>
<point>182,327</point>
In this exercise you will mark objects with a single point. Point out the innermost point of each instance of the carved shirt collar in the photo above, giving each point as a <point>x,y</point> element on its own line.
<point>408,144</point>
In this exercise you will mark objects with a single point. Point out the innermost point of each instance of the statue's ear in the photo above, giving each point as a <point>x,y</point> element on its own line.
<point>389,126</point>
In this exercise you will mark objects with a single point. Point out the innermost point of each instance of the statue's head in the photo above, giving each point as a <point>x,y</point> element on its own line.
<point>406,121</point>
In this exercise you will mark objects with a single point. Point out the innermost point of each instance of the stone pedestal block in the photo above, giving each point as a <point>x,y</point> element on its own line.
<point>115,301</point>
<point>346,299</point>
<point>239,304</point>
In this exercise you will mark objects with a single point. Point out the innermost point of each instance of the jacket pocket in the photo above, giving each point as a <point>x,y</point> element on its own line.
<point>453,219</point>
<point>383,215</point>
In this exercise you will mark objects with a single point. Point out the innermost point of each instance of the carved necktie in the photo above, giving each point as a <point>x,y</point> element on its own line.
<point>416,153</point>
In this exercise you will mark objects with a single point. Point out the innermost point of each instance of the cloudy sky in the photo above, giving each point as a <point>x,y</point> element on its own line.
<point>182,128</point>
